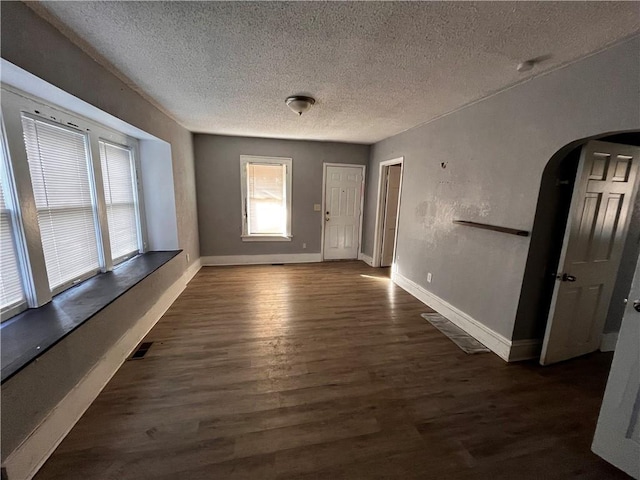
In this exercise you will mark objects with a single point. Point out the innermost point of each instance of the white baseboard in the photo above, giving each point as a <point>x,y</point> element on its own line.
<point>608,342</point>
<point>261,259</point>
<point>25,461</point>
<point>365,258</point>
<point>525,350</point>
<point>500,345</point>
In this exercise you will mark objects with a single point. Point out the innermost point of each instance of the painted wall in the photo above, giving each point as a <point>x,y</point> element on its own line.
<point>219,196</point>
<point>495,152</point>
<point>34,45</point>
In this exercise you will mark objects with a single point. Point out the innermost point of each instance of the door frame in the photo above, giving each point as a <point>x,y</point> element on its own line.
<point>379,225</point>
<point>323,205</point>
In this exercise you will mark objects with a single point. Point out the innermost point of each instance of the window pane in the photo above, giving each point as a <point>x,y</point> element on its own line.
<point>266,199</point>
<point>59,165</point>
<point>11,291</point>
<point>119,190</point>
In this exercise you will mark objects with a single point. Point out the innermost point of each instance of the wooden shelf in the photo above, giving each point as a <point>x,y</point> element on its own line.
<point>484,226</point>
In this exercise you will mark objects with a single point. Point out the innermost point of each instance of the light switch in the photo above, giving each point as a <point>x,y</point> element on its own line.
<point>316,207</point>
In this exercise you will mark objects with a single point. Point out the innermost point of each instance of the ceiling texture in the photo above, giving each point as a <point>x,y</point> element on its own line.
<point>375,68</point>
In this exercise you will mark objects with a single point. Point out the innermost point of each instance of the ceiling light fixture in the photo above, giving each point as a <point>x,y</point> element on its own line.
<point>300,104</point>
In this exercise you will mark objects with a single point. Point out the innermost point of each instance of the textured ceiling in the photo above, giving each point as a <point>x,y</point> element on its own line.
<point>375,68</point>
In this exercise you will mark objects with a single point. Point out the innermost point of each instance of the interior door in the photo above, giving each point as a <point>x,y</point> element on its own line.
<point>392,197</point>
<point>343,198</point>
<point>596,231</point>
<point>617,437</point>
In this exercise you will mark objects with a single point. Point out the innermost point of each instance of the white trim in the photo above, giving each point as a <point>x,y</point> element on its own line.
<point>500,345</point>
<point>287,163</point>
<point>219,260</point>
<point>25,461</point>
<point>528,349</point>
<point>377,236</point>
<point>365,258</point>
<point>21,81</point>
<point>266,238</point>
<point>609,341</point>
<point>324,206</point>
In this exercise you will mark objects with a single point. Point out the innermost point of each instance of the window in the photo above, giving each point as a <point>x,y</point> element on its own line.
<point>12,298</point>
<point>59,165</point>
<point>266,198</point>
<point>118,176</point>
<point>79,209</point>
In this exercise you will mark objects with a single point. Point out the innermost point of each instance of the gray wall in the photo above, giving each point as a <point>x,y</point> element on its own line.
<point>625,273</point>
<point>218,187</point>
<point>496,151</point>
<point>34,45</point>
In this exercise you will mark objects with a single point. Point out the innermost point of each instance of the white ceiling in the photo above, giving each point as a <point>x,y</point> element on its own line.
<point>375,68</point>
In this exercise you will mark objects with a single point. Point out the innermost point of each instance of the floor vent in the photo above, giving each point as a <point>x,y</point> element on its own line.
<point>141,351</point>
<point>277,264</point>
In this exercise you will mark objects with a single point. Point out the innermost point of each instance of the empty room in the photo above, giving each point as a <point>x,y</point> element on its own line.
<point>312,240</point>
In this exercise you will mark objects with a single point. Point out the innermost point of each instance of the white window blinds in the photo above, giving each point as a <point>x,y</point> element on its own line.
<point>11,291</point>
<point>120,198</point>
<point>59,165</point>
<point>266,199</point>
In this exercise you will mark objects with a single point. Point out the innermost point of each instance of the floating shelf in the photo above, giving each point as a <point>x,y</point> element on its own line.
<point>484,226</point>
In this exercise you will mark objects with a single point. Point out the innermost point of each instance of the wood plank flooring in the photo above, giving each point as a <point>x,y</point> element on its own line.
<point>327,371</point>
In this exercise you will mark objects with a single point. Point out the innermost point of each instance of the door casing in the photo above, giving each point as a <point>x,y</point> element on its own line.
<point>379,225</point>
<point>324,187</point>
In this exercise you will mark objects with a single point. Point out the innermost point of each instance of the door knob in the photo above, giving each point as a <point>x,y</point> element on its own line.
<point>566,278</point>
<point>636,305</point>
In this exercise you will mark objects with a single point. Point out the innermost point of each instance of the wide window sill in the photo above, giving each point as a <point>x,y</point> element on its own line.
<point>266,238</point>
<point>29,334</point>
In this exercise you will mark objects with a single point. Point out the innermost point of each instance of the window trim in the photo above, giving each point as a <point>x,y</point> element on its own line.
<point>246,160</point>
<point>15,103</point>
<point>137,194</point>
<point>19,237</point>
<point>94,203</point>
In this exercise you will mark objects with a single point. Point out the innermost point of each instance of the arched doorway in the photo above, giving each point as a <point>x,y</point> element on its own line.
<point>547,238</point>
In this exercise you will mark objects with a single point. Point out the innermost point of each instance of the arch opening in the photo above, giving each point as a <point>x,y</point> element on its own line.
<point>547,236</point>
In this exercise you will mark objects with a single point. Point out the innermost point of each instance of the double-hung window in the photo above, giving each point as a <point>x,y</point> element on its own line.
<point>79,211</point>
<point>118,176</point>
<point>59,163</point>
<point>12,296</point>
<point>266,198</point>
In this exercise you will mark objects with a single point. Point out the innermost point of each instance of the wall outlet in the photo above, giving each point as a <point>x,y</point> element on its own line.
<point>304,245</point>
<point>429,277</point>
<point>187,258</point>
<point>316,207</point>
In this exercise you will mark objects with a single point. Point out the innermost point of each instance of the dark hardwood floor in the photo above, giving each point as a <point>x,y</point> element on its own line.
<point>327,371</point>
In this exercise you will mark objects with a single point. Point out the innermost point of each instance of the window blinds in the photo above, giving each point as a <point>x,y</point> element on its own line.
<point>266,199</point>
<point>59,165</point>
<point>119,191</point>
<point>11,292</point>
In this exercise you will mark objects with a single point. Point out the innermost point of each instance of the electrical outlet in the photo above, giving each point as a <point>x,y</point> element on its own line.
<point>316,207</point>
<point>304,245</point>
<point>429,277</point>
<point>187,258</point>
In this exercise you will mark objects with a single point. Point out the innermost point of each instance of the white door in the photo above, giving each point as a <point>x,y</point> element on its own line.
<point>617,437</point>
<point>392,196</point>
<point>343,197</point>
<point>596,231</point>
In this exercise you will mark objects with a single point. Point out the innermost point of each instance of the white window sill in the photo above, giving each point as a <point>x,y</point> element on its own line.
<point>266,238</point>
